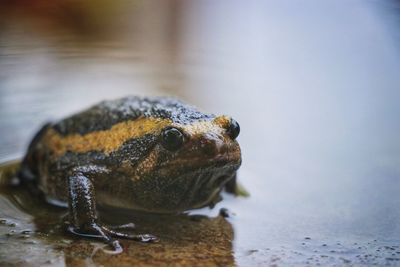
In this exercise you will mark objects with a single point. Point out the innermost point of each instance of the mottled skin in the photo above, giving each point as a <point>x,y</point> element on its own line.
<point>151,154</point>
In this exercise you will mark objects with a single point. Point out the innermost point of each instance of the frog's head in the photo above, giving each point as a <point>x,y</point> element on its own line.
<point>189,165</point>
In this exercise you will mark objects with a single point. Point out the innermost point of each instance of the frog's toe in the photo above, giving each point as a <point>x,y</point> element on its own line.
<point>116,246</point>
<point>96,231</point>
<point>127,226</point>
<point>148,238</point>
<point>87,232</point>
<point>145,238</point>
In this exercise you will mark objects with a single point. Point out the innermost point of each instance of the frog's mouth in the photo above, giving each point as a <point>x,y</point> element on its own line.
<point>181,185</point>
<point>206,188</point>
<point>190,185</point>
<point>192,160</point>
<point>187,179</point>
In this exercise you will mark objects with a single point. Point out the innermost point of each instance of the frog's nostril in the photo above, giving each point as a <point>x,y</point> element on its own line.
<point>208,147</point>
<point>212,144</point>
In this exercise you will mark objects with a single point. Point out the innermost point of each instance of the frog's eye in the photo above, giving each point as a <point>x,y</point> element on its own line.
<point>172,138</point>
<point>233,129</point>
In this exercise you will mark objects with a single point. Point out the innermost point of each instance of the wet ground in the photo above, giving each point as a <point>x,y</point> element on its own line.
<point>314,87</point>
<point>32,233</point>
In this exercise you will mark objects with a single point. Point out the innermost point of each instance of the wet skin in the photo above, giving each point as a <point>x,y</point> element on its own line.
<point>151,154</point>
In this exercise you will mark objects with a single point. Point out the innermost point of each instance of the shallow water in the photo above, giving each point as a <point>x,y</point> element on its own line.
<point>313,86</point>
<point>32,233</point>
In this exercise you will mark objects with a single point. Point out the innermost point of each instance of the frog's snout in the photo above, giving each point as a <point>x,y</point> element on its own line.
<point>213,144</point>
<point>219,146</point>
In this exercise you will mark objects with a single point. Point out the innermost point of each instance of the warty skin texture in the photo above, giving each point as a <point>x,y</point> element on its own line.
<point>114,154</point>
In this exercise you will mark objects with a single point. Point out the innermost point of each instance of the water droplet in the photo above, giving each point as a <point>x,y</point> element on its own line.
<point>7,222</point>
<point>10,233</point>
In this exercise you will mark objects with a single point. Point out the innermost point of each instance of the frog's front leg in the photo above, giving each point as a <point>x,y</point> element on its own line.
<point>83,214</point>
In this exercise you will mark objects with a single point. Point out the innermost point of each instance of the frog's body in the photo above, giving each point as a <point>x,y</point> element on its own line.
<point>156,155</point>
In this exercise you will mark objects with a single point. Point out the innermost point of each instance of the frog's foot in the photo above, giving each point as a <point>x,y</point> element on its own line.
<point>83,214</point>
<point>240,191</point>
<point>97,231</point>
<point>235,188</point>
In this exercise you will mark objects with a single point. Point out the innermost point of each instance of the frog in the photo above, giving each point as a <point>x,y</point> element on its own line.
<point>150,154</point>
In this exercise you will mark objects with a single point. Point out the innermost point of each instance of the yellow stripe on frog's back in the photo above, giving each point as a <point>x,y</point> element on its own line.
<point>107,140</point>
<point>216,125</point>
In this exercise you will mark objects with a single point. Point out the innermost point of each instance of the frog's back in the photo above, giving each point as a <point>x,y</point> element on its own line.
<point>84,138</point>
<point>108,113</point>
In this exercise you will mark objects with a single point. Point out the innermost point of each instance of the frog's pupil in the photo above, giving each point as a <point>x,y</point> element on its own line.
<point>234,129</point>
<point>172,139</point>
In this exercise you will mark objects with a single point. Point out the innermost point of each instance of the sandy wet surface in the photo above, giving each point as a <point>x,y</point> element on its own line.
<point>32,234</point>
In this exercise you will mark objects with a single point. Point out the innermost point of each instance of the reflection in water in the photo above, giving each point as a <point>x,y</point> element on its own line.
<point>314,86</point>
<point>33,231</point>
<point>72,54</point>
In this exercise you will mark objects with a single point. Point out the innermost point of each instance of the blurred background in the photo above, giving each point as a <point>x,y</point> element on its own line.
<point>313,84</point>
